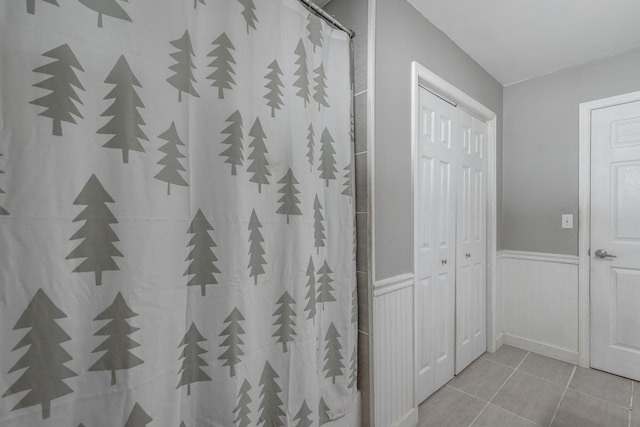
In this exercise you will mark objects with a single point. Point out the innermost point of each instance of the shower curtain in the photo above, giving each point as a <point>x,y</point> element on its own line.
<point>176,214</point>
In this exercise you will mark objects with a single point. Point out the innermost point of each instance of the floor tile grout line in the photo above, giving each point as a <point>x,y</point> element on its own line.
<point>598,398</point>
<point>544,379</point>
<point>498,391</point>
<point>465,393</point>
<point>504,364</point>
<point>562,397</point>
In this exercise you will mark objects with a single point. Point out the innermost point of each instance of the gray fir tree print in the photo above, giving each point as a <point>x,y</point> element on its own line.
<point>138,417</point>
<point>183,78</point>
<point>126,119</point>
<point>271,411</point>
<point>222,64</point>
<point>310,146</point>
<point>202,266</point>
<point>320,94</point>
<point>3,211</point>
<point>333,358</point>
<point>195,3</point>
<point>314,29</point>
<point>353,369</point>
<point>285,320</point>
<point>319,237</point>
<point>325,290</point>
<point>348,182</point>
<point>274,86</point>
<point>259,164</point>
<point>44,360</point>
<point>289,200</point>
<point>192,363</point>
<point>232,340</point>
<point>106,7</point>
<point>249,13</point>
<point>256,249</point>
<point>116,347</point>
<point>235,151</point>
<point>302,73</point>
<point>242,410</point>
<point>59,103</point>
<point>311,291</point>
<point>97,247</point>
<point>327,166</point>
<point>323,410</point>
<point>172,167</point>
<point>31,5</point>
<point>302,416</point>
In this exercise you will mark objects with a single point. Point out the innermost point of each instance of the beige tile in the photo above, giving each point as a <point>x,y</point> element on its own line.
<point>581,410</point>
<point>363,362</point>
<point>362,193</point>
<point>365,409</point>
<point>600,384</point>
<point>635,414</point>
<point>361,122</point>
<point>361,252</point>
<point>547,368</point>
<point>530,397</point>
<point>482,378</point>
<point>494,416</point>
<point>363,301</point>
<point>507,355</point>
<point>449,408</point>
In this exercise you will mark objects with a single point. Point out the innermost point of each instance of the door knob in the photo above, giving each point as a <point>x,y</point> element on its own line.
<point>444,261</point>
<point>468,255</point>
<point>601,253</point>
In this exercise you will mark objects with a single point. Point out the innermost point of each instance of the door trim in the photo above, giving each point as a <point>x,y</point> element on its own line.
<point>422,77</point>
<point>584,217</point>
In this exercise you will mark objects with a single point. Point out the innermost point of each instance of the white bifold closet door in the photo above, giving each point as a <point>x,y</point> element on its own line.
<point>450,242</point>
<point>471,241</point>
<point>435,244</point>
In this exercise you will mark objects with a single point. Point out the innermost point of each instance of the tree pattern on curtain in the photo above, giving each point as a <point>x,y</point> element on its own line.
<point>235,221</point>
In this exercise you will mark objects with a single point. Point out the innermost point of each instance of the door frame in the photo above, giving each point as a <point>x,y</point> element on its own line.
<point>584,218</point>
<point>423,77</point>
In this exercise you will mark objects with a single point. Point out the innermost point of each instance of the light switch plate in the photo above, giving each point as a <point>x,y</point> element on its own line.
<point>567,220</point>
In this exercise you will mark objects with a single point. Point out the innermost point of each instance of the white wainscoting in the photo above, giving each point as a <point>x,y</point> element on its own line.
<point>539,302</point>
<point>393,364</point>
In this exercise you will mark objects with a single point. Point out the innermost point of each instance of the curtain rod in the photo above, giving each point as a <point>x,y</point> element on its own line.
<point>321,12</point>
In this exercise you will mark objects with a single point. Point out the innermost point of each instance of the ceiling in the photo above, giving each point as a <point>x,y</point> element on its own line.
<point>516,40</point>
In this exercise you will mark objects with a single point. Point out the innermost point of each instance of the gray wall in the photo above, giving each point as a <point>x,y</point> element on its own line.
<point>404,35</point>
<point>353,14</point>
<point>540,154</point>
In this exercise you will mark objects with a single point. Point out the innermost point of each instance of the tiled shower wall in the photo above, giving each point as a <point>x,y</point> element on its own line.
<point>353,14</point>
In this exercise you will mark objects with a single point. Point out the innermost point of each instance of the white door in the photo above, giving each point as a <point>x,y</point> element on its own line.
<point>435,244</point>
<point>471,284</point>
<point>615,239</point>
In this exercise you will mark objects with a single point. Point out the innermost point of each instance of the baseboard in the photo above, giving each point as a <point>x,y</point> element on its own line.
<point>409,420</point>
<point>542,348</point>
<point>500,341</point>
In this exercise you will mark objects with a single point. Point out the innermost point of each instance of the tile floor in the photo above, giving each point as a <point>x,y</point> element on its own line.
<point>516,388</point>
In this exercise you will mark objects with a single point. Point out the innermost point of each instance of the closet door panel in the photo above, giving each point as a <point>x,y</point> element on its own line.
<point>435,245</point>
<point>471,243</point>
